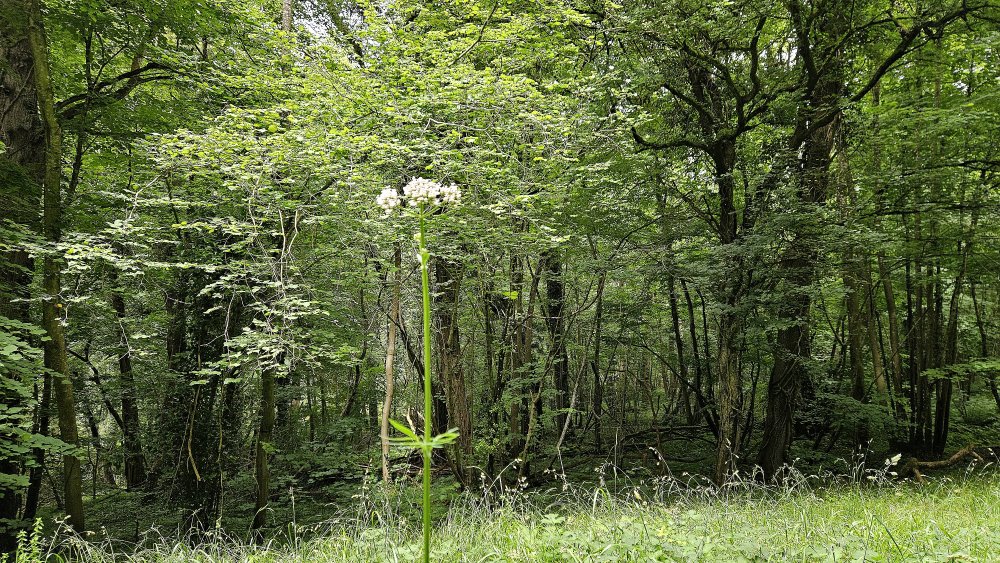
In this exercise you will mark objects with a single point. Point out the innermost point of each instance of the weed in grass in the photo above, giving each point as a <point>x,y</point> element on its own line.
<point>668,519</point>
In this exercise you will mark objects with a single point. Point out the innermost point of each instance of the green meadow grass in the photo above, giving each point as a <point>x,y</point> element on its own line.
<point>948,519</point>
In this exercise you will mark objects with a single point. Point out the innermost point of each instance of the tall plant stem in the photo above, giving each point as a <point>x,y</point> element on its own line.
<point>425,279</point>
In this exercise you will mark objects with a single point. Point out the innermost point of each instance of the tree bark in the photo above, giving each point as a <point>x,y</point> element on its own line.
<point>390,357</point>
<point>265,432</point>
<point>33,495</point>
<point>22,166</point>
<point>730,396</point>
<point>287,9</point>
<point>855,350</point>
<point>870,313</point>
<point>52,307</point>
<point>984,350</point>
<point>675,322</point>
<point>448,281</point>
<point>895,354</point>
<point>822,92</point>
<point>791,351</point>
<point>597,405</point>
<point>706,408</point>
<point>517,355</point>
<point>135,463</point>
<point>555,291</point>
<point>942,410</point>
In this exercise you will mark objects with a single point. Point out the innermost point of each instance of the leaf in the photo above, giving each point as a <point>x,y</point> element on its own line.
<point>444,438</point>
<point>402,428</point>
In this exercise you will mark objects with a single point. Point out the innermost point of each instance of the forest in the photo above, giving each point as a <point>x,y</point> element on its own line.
<point>274,270</point>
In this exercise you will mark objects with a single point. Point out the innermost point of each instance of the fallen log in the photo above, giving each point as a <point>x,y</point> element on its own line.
<point>914,466</point>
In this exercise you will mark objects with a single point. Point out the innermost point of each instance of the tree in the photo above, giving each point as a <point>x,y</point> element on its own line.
<point>55,346</point>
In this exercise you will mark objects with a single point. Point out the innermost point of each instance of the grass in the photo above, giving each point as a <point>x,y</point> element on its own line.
<point>949,519</point>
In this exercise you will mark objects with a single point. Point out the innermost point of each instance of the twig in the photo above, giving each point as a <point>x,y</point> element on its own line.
<point>482,29</point>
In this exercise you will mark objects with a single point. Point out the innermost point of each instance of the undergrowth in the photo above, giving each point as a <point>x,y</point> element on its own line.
<point>866,516</point>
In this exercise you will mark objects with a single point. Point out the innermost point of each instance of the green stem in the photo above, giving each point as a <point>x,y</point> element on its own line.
<point>425,279</point>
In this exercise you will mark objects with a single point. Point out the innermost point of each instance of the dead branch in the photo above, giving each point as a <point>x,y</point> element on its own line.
<point>914,465</point>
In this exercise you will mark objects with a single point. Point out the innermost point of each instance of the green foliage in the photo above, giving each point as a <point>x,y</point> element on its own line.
<point>950,520</point>
<point>956,372</point>
<point>707,176</point>
<point>20,373</point>
<point>18,196</point>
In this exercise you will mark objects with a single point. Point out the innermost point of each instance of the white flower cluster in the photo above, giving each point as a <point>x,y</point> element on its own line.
<point>389,199</point>
<point>420,192</point>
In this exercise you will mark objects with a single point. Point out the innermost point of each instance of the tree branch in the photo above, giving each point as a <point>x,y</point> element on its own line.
<point>676,143</point>
<point>101,93</point>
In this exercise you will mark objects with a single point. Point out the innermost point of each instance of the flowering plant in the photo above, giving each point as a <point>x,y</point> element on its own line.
<point>424,198</point>
<point>420,193</point>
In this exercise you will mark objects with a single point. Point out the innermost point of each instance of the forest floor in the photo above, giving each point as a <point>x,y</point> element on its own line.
<point>949,518</point>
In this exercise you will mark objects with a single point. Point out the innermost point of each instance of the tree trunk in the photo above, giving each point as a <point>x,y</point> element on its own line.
<point>52,307</point>
<point>41,428</point>
<point>895,353</point>
<point>855,350</point>
<point>555,292</point>
<point>872,330</point>
<point>390,357</point>
<point>815,145</point>
<point>791,351</point>
<point>942,411</point>
<point>918,343</point>
<point>517,355</point>
<point>675,322</point>
<point>262,471</point>
<point>135,464</point>
<point>448,281</point>
<point>597,406</point>
<point>984,350</point>
<point>287,9</point>
<point>101,461</point>
<point>730,396</point>
<point>706,408</point>
<point>21,173</point>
